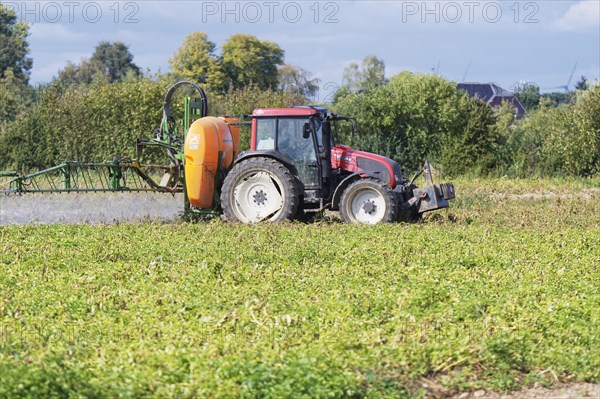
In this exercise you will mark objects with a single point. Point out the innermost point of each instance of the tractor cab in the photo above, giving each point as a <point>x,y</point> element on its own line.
<point>301,138</point>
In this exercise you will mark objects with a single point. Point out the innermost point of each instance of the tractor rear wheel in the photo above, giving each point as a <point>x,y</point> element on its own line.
<point>368,201</point>
<point>260,189</point>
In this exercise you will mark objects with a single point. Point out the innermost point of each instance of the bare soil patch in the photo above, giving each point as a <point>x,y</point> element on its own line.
<point>568,391</point>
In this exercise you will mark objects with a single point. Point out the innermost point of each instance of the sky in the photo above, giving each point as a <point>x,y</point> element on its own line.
<point>506,42</point>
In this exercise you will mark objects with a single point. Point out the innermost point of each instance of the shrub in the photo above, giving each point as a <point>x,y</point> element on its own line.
<point>94,122</point>
<point>560,141</point>
<point>415,117</point>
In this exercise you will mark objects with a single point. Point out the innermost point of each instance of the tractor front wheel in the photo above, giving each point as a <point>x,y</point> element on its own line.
<point>260,189</point>
<point>368,201</point>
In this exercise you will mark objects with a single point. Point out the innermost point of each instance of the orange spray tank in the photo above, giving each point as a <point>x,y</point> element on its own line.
<point>211,146</point>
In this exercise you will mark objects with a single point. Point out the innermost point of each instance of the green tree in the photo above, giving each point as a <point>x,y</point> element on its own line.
<point>248,60</point>
<point>13,96</point>
<point>373,72</point>
<point>559,139</point>
<point>352,78</point>
<point>585,152</point>
<point>342,92</point>
<point>582,84</point>
<point>557,98</point>
<point>87,71</point>
<point>529,95</point>
<point>116,59</point>
<point>14,47</point>
<point>370,74</point>
<point>293,79</point>
<point>195,60</point>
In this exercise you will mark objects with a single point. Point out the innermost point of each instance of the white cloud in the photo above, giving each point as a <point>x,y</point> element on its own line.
<point>581,16</point>
<point>56,32</point>
<point>47,64</point>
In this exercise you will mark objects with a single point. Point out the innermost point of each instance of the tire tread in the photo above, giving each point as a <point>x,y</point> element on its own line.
<point>291,187</point>
<point>388,195</point>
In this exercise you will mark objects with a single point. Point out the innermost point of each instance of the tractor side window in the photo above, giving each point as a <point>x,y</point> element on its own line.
<point>265,133</point>
<point>298,149</point>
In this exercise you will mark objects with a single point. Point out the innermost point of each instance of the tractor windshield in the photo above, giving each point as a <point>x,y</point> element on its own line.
<point>319,129</point>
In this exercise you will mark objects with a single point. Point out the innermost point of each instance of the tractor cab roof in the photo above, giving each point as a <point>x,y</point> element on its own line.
<point>299,110</point>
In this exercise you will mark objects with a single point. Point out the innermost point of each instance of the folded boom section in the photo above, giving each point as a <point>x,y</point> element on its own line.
<point>118,176</point>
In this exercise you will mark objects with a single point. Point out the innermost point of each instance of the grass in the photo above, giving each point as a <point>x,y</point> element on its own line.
<point>498,292</point>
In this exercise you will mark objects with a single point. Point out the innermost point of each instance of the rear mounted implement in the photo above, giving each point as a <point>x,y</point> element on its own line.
<point>431,196</point>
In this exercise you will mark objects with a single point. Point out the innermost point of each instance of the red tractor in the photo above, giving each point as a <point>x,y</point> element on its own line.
<point>294,167</point>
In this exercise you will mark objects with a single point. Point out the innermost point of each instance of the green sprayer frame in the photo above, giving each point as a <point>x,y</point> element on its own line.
<point>71,176</point>
<point>122,175</point>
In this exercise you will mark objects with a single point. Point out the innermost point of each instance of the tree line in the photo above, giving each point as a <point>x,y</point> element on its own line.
<point>94,109</point>
<point>413,116</point>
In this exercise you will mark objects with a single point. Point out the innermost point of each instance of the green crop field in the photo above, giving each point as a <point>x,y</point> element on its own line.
<point>499,292</point>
